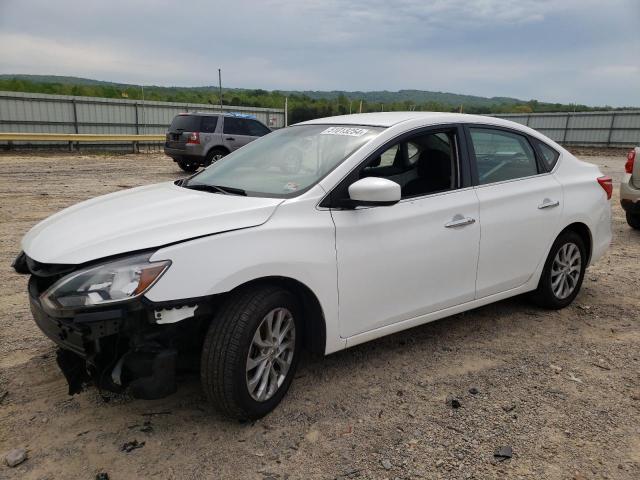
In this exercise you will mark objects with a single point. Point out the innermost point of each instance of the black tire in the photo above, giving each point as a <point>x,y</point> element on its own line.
<point>188,166</point>
<point>633,219</point>
<point>544,295</point>
<point>214,155</point>
<point>226,348</point>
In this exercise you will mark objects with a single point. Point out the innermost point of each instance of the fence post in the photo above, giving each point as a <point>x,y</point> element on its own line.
<point>137,122</point>
<point>566,128</point>
<point>613,119</point>
<point>75,124</point>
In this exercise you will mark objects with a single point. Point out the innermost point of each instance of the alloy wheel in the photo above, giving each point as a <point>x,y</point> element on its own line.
<point>270,354</point>
<point>565,270</point>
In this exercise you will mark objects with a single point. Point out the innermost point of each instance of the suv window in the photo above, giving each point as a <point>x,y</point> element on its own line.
<point>185,123</point>
<point>502,155</point>
<point>235,126</point>
<point>423,164</point>
<point>209,124</point>
<point>549,155</point>
<point>256,129</point>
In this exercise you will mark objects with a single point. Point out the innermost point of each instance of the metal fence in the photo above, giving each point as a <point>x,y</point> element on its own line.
<point>40,113</point>
<point>619,128</point>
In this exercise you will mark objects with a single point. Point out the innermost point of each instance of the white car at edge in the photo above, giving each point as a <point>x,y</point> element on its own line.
<point>322,235</point>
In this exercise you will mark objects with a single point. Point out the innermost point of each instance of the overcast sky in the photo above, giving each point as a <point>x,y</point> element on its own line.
<point>584,51</point>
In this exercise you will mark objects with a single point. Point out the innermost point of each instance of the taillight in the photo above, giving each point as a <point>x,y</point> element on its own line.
<point>607,185</point>
<point>631,157</point>
<point>194,137</point>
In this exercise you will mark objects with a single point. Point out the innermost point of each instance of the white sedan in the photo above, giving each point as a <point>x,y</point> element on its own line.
<point>322,235</point>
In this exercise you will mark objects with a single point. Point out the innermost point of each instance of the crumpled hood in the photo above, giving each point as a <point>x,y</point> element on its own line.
<point>140,218</point>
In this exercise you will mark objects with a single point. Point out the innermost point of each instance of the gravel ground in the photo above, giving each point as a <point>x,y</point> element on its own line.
<point>562,389</point>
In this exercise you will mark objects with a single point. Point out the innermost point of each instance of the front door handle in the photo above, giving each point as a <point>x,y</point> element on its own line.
<point>231,139</point>
<point>460,221</point>
<point>548,203</point>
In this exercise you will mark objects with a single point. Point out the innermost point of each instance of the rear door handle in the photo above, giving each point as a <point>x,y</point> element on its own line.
<point>230,138</point>
<point>460,221</point>
<point>547,203</point>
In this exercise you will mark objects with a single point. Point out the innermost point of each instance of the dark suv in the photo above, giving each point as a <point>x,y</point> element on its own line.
<point>199,139</point>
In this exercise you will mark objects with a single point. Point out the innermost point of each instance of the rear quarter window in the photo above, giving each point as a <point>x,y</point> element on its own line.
<point>548,154</point>
<point>209,124</point>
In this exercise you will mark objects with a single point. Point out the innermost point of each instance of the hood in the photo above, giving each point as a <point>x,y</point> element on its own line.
<point>140,218</point>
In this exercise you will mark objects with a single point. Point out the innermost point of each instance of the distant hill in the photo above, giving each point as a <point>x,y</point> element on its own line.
<point>303,105</point>
<point>414,96</point>
<point>58,79</point>
<point>381,96</point>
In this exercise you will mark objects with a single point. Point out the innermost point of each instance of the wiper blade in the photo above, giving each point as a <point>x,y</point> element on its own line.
<point>215,189</point>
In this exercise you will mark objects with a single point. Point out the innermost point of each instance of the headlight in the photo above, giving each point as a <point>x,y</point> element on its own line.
<point>107,283</point>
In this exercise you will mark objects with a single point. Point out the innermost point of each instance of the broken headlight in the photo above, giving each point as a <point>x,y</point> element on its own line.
<point>111,282</point>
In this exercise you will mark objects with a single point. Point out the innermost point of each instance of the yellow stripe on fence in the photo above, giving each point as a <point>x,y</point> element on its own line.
<point>77,137</point>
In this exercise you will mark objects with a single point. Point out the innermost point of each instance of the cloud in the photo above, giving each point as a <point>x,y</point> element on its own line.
<point>574,50</point>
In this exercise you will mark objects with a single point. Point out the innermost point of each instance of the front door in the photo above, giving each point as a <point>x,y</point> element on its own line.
<point>415,257</point>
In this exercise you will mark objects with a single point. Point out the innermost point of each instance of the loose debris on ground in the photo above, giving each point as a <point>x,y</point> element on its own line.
<point>560,388</point>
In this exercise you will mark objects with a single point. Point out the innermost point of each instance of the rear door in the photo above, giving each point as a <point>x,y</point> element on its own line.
<point>236,133</point>
<point>520,208</point>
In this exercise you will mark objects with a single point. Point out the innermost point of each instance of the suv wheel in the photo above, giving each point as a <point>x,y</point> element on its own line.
<point>251,351</point>
<point>633,219</point>
<point>188,165</point>
<point>214,155</point>
<point>563,272</point>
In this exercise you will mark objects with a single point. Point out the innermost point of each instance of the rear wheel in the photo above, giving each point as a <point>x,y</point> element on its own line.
<point>633,219</point>
<point>188,165</point>
<point>251,351</point>
<point>563,272</point>
<point>214,155</point>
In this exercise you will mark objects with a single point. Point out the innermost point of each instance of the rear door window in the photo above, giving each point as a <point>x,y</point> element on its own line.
<point>235,126</point>
<point>502,155</point>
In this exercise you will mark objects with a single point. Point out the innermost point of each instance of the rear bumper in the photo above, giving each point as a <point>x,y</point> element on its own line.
<point>190,152</point>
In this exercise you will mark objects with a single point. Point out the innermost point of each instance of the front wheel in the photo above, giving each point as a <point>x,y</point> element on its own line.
<point>188,165</point>
<point>633,219</point>
<point>251,351</point>
<point>563,272</point>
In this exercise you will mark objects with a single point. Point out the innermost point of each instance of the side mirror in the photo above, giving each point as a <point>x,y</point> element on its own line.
<point>374,191</point>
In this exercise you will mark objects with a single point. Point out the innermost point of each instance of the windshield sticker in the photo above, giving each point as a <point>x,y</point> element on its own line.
<point>291,187</point>
<point>347,131</point>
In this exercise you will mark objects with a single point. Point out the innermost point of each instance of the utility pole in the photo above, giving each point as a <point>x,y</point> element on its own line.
<point>360,107</point>
<point>220,85</point>
<point>350,103</point>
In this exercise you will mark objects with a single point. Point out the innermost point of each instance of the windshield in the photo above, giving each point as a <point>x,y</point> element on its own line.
<point>286,162</point>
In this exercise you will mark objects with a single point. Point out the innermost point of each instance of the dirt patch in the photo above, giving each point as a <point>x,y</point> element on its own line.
<point>561,388</point>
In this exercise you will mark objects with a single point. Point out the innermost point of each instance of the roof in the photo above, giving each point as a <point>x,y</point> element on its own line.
<point>387,119</point>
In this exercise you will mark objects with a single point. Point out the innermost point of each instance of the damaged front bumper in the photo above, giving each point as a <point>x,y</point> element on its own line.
<point>134,345</point>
